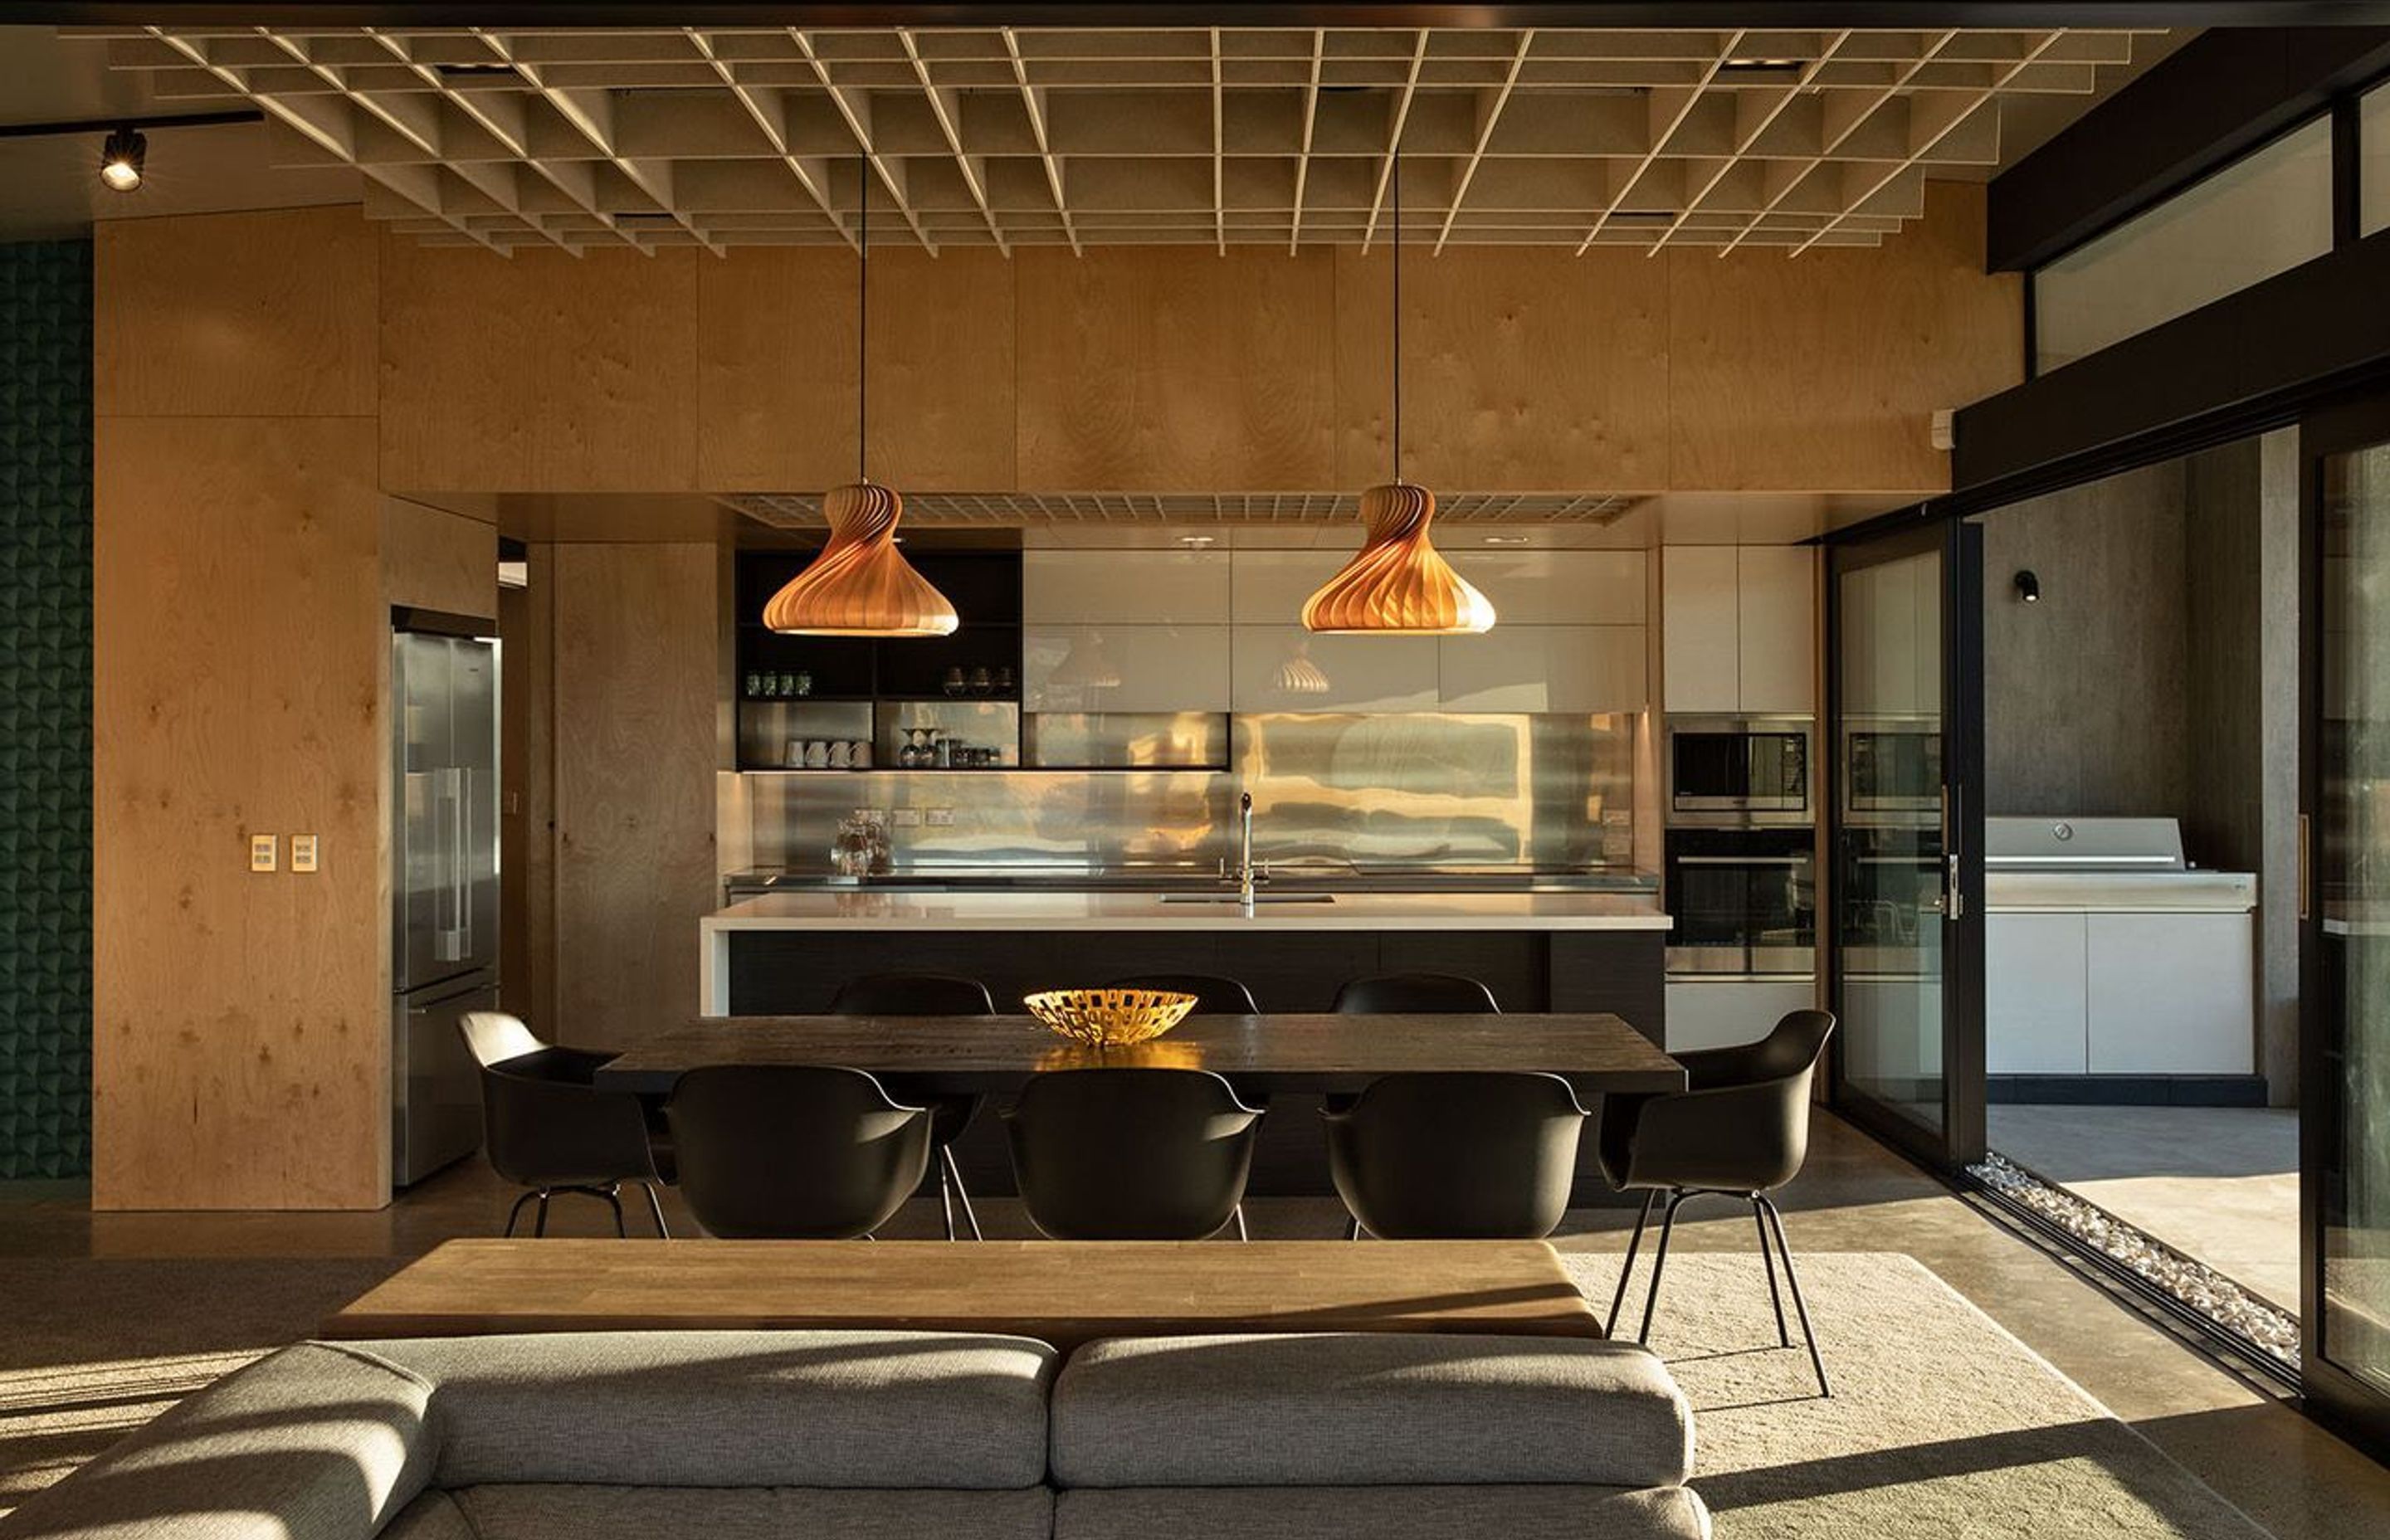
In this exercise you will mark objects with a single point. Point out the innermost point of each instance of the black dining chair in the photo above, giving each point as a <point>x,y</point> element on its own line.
<point>1408,994</point>
<point>1456,1156</point>
<point>1739,1129</point>
<point>794,1151</point>
<point>950,1112</point>
<point>1216,995</point>
<point>1415,994</point>
<point>1131,1154</point>
<point>549,1130</point>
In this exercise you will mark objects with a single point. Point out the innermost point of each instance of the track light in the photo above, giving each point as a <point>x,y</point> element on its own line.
<point>120,158</point>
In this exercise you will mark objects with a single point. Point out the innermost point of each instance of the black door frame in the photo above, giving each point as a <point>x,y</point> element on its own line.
<point>1959,1141</point>
<point>2350,1405</point>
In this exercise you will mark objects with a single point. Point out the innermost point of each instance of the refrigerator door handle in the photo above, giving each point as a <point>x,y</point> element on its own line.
<point>455,938</point>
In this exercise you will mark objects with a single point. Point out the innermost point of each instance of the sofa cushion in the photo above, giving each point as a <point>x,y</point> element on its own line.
<point>1378,1513</point>
<point>312,1442</point>
<point>736,1408</point>
<point>752,1513</point>
<point>1367,1409</point>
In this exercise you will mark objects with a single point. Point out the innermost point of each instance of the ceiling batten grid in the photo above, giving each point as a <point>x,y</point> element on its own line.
<point>1006,137</point>
<point>1323,509</point>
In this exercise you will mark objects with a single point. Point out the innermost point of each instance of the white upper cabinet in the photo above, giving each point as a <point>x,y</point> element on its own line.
<point>1127,587</point>
<point>1285,668</point>
<point>1544,668</point>
<point>1738,629</point>
<point>1777,636</point>
<point>1531,587</point>
<point>1125,668</point>
<point>1700,629</point>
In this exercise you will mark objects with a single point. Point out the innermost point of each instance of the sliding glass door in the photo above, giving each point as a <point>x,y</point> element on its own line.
<point>1905,945</point>
<point>2345,902</point>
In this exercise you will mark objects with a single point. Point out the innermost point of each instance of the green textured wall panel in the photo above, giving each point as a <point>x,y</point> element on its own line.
<point>46,436</point>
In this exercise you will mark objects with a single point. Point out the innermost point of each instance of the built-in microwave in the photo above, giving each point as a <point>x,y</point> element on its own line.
<point>1740,770</point>
<point>1892,767</point>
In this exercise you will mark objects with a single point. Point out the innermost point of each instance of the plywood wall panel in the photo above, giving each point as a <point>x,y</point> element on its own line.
<point>240,315</point>
<point>943,368</point>
<point>1822,373</point>
<point>240,1032</point>
<point>636,666</point>
<point>1524,370</point>
<point>616,409</point>
<point>459,387</point>
<point>434,559</point>
<point>1177,368</point>
<point>776,368</point>
<point>538,373</point>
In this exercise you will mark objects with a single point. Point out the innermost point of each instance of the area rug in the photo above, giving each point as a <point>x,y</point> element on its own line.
<point>1940,1423</point>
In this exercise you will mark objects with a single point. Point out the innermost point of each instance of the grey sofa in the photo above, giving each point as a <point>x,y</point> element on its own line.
<point>862,1435</point>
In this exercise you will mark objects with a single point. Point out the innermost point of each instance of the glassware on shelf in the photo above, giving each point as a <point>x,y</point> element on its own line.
<point>788,686</point>
<point>804,685</point>
<point>1004,679</point>
<point>982,681</point>
<point>754,684</point>
<point>954,684</point>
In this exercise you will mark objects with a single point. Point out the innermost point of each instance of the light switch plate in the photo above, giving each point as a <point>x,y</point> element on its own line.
<point>302,853</point>
<point>265,852</point>
<point>907,818</point>
<point>942,817</point>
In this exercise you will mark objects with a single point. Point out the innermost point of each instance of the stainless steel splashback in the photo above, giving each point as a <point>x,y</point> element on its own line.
<point>1523,793</point>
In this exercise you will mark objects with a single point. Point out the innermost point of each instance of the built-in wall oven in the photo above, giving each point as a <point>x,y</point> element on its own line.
<point>1742,901</point>
<point>1739,771</point>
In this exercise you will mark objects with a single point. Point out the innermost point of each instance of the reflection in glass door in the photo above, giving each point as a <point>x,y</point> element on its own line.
<point>2346,1067</point>
<point>1907,877</point>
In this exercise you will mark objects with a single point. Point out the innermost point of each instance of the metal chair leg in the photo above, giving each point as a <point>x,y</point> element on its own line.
<point>539,1226</point>
<point>614,1195</point>
<point>1352,1228</point>
<point>516,1213</point>
<point>1626,1269</point>
<point>656,1207</point>
<point>1767,1260</point>
<point>962,1194</point>
<point>1800,1307</point>
<point>1660,1262</point>
<point>1238,1214</point>
<point>946,1198</point>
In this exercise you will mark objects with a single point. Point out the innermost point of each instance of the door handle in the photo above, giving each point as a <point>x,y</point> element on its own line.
<point>1954,903</point>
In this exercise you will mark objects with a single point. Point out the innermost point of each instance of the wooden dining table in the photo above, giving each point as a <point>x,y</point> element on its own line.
<point>1296,1053</point>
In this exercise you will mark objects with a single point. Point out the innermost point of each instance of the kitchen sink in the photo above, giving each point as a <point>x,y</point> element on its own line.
<point>1258,898</point>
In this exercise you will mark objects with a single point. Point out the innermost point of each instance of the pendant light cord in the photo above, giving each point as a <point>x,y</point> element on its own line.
<point>863,321</point>
<point>1398,313</point>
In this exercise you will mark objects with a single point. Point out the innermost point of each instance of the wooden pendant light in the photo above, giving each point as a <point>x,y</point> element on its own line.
<point>861,584</point>
<point>1397,582</point>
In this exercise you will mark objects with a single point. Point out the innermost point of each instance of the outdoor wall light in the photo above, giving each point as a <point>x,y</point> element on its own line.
<point>2028,587</point>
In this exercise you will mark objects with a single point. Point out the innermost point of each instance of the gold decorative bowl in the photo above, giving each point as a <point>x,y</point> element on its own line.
<point>1109,1018</point>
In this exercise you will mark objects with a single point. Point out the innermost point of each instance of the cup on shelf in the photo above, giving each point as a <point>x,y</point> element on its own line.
<point>862,756</point>
<point>816,755</point>
<point>842,755</point>
<point>795,756</point>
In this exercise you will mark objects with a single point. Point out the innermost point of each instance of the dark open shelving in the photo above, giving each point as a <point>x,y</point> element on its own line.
<point>886,674</point>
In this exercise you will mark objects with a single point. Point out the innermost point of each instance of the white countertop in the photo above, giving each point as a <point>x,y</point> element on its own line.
<point>1047,910</point>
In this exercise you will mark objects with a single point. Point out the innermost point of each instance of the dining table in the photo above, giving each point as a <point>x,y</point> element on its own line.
<point>1316,1053</point>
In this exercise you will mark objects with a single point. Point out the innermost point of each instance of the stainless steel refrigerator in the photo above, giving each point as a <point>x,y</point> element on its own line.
<point>445,891</point>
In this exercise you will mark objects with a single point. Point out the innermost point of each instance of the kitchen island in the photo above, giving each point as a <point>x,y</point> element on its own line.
<point>785,954</point>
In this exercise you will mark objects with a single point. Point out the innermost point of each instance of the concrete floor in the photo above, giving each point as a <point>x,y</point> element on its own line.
<point>2219,1183</point>
<point>2292,1478</point>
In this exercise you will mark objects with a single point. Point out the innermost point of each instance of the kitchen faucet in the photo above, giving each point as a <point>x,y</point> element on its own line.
<point>1245,875</point>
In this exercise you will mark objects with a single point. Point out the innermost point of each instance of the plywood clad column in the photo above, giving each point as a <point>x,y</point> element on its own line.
<point>636,669</point>
<point>241,1054</point>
